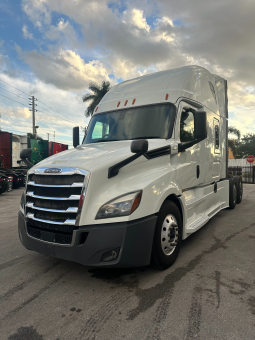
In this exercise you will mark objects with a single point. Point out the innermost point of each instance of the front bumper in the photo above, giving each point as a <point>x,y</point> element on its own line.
<point>134,239</point>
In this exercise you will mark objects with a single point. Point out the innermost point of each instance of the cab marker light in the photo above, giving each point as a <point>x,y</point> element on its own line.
<point>166,96</point>
<point>125,102</point>
<point>133,101</point>
<point>96,109</point>
<point>118,104</point>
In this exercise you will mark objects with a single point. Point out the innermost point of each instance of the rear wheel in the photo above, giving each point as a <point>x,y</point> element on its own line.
<point>239,188</point>
<point>167,236</point>
<point>232,193</point>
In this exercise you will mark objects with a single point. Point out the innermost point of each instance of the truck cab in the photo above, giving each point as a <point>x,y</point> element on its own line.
<point>151,170</point>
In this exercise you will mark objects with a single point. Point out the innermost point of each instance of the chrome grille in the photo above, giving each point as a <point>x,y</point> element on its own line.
<point>52,202</point>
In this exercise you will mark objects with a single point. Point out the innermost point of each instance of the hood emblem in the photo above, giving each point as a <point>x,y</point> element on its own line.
<point>53,171</point>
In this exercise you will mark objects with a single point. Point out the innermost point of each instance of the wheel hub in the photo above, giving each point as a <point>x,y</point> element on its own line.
<point>169,234</point>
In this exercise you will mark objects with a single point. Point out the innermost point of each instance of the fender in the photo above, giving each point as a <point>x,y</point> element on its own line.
<point>174,190</point>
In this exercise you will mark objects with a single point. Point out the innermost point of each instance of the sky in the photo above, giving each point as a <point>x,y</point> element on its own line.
<point>53,49</point>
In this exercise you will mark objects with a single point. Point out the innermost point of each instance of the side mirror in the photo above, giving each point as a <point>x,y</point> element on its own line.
<point>200,125</point>
<point>76,136</point>
<point>139,146</point>
<point>25,155</point>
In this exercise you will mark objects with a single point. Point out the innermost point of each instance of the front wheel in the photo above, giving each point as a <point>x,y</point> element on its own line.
<point>167,236</point>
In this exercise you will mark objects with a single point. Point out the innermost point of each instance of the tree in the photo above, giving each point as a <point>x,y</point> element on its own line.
<point>233,143</point>
<point>98,91</point>
<point>247,145</point>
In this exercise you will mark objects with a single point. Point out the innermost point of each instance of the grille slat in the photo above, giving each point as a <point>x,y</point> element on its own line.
<point>48,197</point>
<point>70,198</point>
<point>67,211</point>
<point>56,179</point>
<point>74,185</point>
<point>54,191</point>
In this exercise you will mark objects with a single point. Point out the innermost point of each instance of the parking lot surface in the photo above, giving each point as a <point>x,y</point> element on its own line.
<point>207,294</point>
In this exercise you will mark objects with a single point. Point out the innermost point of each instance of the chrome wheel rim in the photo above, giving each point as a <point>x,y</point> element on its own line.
<point>169,235</point>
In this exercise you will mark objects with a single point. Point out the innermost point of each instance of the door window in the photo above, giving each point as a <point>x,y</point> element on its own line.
<point>101,130</point>
<point>187,126</point>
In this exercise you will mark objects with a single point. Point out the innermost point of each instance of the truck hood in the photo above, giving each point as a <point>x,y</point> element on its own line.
<point>88,156</point>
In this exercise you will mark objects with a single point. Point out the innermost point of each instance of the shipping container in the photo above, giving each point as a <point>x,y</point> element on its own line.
<point>56,148</point>
<point>6,149</point>
<point>40,150</point>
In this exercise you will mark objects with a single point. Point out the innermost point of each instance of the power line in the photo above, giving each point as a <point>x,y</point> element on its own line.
<point>14,87</point>
<point>51,108</point>
<point>12,93</point>
<point>37,110</point>
<point>47,113</point>
<point>13,100</point>
<point>54,114</point>
<point>38,101</point>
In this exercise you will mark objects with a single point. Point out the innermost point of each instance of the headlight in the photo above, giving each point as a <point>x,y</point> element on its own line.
<point>22,203</point>
<point>120,206</point>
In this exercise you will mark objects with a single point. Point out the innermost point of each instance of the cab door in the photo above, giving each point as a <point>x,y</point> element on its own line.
<point>190,170</point>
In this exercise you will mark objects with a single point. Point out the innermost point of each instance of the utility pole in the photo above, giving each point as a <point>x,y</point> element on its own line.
<point>54,136</point>
<point>48,136</point>
<point>32,103</point>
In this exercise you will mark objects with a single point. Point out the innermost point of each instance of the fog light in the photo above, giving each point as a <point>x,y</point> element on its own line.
<point>110,255</point>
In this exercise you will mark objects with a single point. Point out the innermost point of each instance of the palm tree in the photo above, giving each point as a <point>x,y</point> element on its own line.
<point>232,142</point>
<point>98,91</point>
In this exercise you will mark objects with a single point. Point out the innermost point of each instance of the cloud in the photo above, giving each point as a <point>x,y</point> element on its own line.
<point>63,109</point>
<point>26,34</point>
<point>64,68</point>
<point>136,17</point>
<point>63,28</point>
<point>144,36</point>
<point>37,11</point>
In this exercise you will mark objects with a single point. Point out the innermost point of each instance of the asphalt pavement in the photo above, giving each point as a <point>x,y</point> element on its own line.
<point>208,294</point>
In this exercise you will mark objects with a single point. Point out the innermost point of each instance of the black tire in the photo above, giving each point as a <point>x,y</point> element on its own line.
<point>239,189</point>
<point>159,259</point>
<point>232,193</point>
<point>3,188</point>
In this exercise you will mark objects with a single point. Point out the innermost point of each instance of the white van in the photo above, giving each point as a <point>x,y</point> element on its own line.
<point>152,169</point>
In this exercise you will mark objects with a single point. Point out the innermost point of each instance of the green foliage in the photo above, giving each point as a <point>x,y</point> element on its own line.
<point>187,127</point>
<point>98,92</point>
<point>247,145</point>
<point>233,143</point>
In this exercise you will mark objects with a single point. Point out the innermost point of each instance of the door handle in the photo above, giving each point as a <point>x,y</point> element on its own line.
<point>198,171</point>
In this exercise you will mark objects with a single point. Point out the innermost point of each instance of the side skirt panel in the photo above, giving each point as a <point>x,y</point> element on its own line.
<point>203,203</point>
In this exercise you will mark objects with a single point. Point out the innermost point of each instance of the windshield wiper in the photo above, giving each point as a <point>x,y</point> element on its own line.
<point>145,137</point>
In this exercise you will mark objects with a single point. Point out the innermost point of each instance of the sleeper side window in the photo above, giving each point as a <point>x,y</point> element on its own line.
<point>216,129</point>
<point>187,126</point>
<point>217,137</point>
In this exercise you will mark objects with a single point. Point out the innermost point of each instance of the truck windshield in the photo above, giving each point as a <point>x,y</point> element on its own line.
<point>154,121</point>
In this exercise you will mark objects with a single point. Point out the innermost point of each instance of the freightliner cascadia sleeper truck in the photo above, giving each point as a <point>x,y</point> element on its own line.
<point>151,170</point>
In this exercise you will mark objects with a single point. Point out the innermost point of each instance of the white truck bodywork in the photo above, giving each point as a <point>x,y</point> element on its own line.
<point>187,177</point>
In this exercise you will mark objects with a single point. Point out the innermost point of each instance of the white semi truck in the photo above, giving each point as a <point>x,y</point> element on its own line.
<point>151,170</point>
